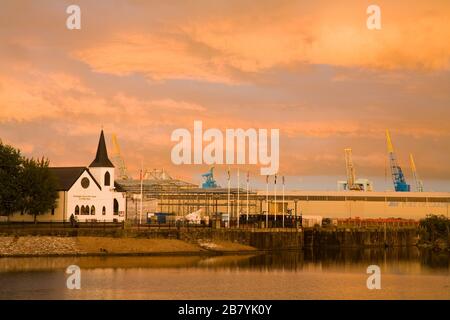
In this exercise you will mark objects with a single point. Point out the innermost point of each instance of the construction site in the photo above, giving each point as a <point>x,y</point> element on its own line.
<point>156,197</point>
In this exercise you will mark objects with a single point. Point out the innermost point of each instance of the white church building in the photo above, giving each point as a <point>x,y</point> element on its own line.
<point>89,193</point>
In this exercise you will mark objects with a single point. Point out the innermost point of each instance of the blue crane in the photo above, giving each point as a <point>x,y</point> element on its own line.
<point>209,182</point>
<point>397,174</point>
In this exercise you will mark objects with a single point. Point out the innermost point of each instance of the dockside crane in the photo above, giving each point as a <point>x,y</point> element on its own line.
<point>209,181</point>
<point>117,159</point>
<point>351,176</point>
<point>397,174</point>
<point>418,182</point>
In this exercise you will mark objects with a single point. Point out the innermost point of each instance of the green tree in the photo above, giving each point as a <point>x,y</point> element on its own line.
<point>10,174</point>
<point>435,227</point>
<point>38,186</point>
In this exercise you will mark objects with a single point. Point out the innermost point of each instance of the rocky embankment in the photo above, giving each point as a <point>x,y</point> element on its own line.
<point>16,246</point>
<point>74,246</point>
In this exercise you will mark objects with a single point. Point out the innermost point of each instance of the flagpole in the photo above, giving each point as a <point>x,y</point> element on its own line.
<point>248,177</point>
<point>283,202</point>
<point>267,201</point>
<point>275,198</point>
<point>228,203</point>
<point>238,213</point>
<point>142,191</point>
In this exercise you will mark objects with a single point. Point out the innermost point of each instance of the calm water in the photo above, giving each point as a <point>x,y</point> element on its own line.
<point>405,274</point>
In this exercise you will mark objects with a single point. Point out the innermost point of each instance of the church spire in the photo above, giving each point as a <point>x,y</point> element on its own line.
<point>101,158</point>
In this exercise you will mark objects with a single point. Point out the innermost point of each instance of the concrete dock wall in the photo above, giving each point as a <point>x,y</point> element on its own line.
<point>262,239</point>
<point>293,239</point>
<point>359,238</point>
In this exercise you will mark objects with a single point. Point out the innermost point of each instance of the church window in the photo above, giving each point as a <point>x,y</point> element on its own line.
<point>85,183</point>
<point>77,210</point>
<point>84,210</point>
<point>92,211</point>
<point>107,179</point>
<point>104,211</point>
<point>116,207</point>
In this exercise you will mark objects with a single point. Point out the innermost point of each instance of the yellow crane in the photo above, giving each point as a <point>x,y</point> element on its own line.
<point>419,183</point>
<point>351,176</point>
<point>117,159</point>
<point>398,178</point>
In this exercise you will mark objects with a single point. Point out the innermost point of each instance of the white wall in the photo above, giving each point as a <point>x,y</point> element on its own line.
<point>370,209</point>
<point>93,196</point>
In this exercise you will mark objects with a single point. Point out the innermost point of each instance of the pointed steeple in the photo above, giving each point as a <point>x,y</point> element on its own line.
<point>101,158</point>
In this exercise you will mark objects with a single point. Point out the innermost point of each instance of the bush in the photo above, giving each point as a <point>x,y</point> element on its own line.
<point>435,227</point>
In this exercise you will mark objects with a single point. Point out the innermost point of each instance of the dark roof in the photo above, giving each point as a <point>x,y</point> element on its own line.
<point>118,187</point>
<point>67,176</point>
<point>101,158</point>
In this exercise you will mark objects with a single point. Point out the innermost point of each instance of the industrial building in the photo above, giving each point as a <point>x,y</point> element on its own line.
<point>332,204</point>
<point>155,189</point>
<point>355,198</point>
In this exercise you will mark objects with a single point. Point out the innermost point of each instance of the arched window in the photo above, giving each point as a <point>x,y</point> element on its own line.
<point>82,210</point>
<point>116,207</point>
<point>107,179</point>
<point>77,210</point>
<point>104,210</point>
<point>92,211</point>
<point>87,210</point>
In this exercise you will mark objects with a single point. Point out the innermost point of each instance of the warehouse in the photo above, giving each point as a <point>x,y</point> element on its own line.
<point>331,204</point>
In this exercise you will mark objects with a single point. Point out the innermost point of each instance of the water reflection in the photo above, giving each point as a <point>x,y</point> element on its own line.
<point>407,273</point>
<point>282,260</point>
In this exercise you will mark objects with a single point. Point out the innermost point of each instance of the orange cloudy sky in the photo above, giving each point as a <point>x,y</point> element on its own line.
<point>310,68</point>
